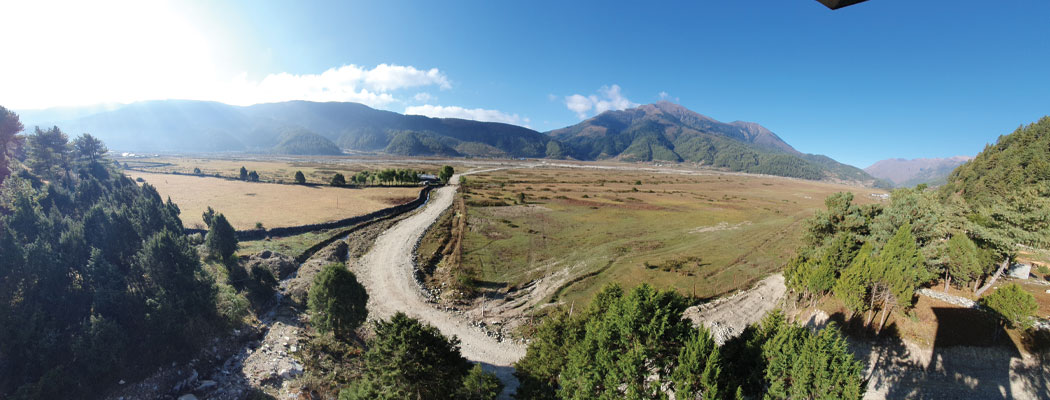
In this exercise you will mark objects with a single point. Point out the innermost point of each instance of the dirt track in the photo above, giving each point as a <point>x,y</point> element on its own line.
<point>387,272</point>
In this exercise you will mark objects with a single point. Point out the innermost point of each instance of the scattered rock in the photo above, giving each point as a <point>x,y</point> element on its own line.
<point>205,385</point>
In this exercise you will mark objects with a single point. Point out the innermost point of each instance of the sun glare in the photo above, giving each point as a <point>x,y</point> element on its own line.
<point>108,51</point>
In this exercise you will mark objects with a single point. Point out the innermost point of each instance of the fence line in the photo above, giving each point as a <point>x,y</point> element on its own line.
<point>259,234</point>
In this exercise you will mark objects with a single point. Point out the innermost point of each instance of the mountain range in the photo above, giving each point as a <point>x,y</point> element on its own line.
<point>662,131</point>
<point>904,173</point>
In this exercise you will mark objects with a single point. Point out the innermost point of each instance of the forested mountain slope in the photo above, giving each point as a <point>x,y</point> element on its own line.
<point>1016,161</point>
<point>669,132</point>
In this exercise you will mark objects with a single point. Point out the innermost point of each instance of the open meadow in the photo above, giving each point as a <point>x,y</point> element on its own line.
<point>703,233</point>
<point>316,169</point>
<point>273,205</point>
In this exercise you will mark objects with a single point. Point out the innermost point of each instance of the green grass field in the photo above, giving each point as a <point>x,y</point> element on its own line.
<point>702,234</point>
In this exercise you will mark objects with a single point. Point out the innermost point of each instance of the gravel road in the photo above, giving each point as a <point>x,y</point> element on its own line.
<point>387,272</point>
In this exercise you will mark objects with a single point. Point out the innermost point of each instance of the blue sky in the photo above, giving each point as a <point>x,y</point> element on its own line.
<point>886,78</point>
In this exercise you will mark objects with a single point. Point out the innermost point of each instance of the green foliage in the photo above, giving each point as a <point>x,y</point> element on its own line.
<point>446,173</point>
<point>409,359</point>
<point>899,269</point>
<point>479,385</point>
<point>626,344</point>
<point>88,148</point>
<point>243,174</point>
<point>627,336</point>
<point>802,365</point>
<point>303,142</point>
<point>47,152</point>
<point>337,301</point>
<point>300,178</point>
<point>221,240</point>
<point>253,176</point>
<point>963,264</point>
<point>852,288</point>
<point>338,180</point>
<point>10,141</point>
<point>208,216</point>
<point>699,367</point>
<point>97,280</point>
<point>548,350</point>
<point>1012,305</point>
<point>1017,160</point>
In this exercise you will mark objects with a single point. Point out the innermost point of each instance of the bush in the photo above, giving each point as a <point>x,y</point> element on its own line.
<point>337,301</point>
<point>1012,305</point>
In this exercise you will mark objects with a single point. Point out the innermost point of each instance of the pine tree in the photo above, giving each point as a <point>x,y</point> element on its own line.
<point>337,301</point>
<point>243,174</point>
<point>1012,305</point>
<point>221,240</point>
<point>409,359</point>
<point>338,180</point>
<point>300,178</point>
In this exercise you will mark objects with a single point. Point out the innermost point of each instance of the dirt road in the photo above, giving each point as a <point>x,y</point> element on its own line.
<point>387,272</point>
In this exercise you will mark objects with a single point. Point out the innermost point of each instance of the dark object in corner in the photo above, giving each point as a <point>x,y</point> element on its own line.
<point>837,4</point>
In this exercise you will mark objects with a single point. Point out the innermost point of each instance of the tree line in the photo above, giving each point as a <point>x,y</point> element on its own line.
<point>967,233</point>
<point>97,281</point>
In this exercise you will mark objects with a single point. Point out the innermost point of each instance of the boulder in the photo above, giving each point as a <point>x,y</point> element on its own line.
<point>278,264</point>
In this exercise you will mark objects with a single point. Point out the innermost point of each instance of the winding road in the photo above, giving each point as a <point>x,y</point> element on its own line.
<point>387,272</point>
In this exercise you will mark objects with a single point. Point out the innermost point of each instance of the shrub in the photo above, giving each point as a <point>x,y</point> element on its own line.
<point>337,301</point>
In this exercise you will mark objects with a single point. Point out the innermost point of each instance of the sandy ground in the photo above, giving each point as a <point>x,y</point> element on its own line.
<point>728,316</point>
<point>387,271</point>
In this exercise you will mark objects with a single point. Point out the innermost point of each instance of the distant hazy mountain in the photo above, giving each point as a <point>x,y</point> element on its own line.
<point>200,126</point>
<point>655,132</point>
<point>303,142</point>
<point>905,173</point>
<point>669,132</point>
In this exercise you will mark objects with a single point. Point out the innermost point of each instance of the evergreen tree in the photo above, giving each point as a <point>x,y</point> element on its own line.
<point>338,180</point>
<point>47,152</point>
<point>479,385</point>
<point>88,148</point>
<point>446,173</point>
<point>409,359</point>
<point>897,273</point>
<point>243,174</point>
<point>253,176</point>
<point>699,367</point>
<point>1012,305</point>
<point>337,301</point>
<point>300,178</point>
<point>852,288</point>
<point>548,350</point>
<point>10,127</point>
<point>963,265</point>
<point>221,240</point>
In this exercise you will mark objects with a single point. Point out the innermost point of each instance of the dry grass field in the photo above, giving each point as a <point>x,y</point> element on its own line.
<point>273,205</point>
<point>702,233</point>
<point>274,169</point>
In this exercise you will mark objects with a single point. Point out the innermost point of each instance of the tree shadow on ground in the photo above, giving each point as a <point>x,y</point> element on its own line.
<point>505,375</point>
<point>972,357</point>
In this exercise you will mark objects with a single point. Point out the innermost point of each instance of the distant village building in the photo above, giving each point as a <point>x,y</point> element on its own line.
<point>881,196</point>
<point>427,179</point>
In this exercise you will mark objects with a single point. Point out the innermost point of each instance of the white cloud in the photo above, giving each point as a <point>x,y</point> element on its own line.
<point>607,98</point>
<point>663,95</point>
<point>423,97</point>
<point>120,51</point>
<point>477,114</point>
